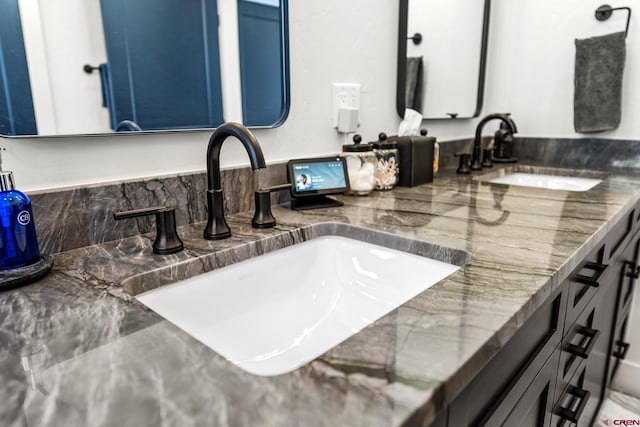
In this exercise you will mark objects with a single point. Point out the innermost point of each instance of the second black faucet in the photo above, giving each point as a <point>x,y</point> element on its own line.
<point>476,154</point>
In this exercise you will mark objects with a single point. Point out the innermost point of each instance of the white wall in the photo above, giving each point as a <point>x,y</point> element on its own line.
<point>531,62</point>
<point>530,74</point>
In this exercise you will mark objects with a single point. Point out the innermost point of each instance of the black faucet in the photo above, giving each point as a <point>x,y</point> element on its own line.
<point>217,227</point>
<point>476,155</point>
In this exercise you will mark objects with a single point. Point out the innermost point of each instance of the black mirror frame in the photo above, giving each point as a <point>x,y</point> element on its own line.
<point>402,61</point>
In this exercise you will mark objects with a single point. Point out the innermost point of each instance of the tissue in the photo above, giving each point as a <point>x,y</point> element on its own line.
<point>410,125</point>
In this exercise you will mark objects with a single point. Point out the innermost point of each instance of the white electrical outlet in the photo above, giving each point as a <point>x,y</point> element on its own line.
<point>344,95</point>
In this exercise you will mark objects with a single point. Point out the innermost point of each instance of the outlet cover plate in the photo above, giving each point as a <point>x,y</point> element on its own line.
<point>344,95</point>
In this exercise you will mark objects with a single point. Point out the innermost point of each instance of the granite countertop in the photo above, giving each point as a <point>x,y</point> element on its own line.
<point>76,350</point>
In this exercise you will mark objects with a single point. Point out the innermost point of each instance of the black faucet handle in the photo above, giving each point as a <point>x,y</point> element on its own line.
<point>167,239</point>
<point>463,165</point>
<point>263,218</point>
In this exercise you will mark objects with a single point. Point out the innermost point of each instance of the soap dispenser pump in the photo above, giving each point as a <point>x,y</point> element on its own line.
<point>18,240</point>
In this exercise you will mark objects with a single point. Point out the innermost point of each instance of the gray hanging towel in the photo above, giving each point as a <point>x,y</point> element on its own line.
<point>597,100</point>
<point>413,87</point>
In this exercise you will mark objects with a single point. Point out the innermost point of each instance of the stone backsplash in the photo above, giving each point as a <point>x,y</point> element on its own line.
<point>76,217</point>
<point>83,216</point>
<point>613,155</point>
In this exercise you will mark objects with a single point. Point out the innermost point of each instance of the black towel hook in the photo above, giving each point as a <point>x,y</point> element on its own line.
<point>605,11</point>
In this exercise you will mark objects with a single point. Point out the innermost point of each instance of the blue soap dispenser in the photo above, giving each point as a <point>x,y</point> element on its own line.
<point>18,240</point>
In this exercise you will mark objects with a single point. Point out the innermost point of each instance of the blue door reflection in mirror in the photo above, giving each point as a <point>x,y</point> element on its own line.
<point>261,63</point>
<point>155,80</point>
<point>16,106</point>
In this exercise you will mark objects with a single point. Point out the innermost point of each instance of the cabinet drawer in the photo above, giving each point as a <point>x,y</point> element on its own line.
<point>583,284</point>
<point>583,361</point>
<point>570,404</point>
<point>511,371</point>
<point>579,342</point>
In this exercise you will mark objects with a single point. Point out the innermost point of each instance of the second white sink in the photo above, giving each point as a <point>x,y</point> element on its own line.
<point>276,312</point>
<point>550,182</point>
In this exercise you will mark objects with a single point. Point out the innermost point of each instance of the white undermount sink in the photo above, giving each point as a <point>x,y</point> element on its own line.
<point>271,314</point>
<point>550,182</point>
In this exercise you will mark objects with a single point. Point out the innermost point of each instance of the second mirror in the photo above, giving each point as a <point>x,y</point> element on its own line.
<point>442,50</point>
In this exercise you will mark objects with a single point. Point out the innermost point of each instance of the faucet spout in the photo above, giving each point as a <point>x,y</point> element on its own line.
<point>215,144</point>
<point>217,227</point>
<point>477,143</point>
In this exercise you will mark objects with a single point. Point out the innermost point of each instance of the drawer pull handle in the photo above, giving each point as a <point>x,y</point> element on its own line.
<point>624,346</point>
<point>574,416</point>
<point>584,352</point>
<point>598,268</point>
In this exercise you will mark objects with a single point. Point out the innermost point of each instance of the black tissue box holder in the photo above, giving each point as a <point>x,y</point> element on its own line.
<point>416,159</point>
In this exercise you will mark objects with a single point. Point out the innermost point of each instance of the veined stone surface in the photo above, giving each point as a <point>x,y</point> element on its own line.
<point>77,350</point>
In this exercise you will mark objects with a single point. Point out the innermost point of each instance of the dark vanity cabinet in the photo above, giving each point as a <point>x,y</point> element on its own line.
<point>580,376</point>
<point>556,370</point>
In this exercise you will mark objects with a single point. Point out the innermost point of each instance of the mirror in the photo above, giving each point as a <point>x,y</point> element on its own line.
<point>442,50</point>
<point>73,67</point>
